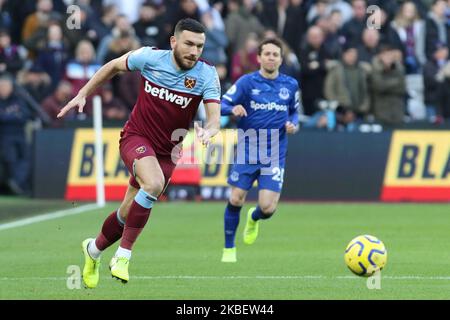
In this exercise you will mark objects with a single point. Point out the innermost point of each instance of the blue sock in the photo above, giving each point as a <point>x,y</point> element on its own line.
<point>258,214</point>
<point>231,222</point>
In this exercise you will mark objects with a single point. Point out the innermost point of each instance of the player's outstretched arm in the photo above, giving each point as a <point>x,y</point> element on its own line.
<point>212,126</point>
<point>105,73</point>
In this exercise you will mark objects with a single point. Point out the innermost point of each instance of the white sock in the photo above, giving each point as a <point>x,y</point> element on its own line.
<point>93,251</point>
<point>123,253</point>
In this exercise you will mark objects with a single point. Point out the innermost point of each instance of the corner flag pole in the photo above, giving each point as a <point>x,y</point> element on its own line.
<point>98,127</point>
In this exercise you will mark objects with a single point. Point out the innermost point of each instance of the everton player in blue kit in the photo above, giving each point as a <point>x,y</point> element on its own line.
<point>267,103</point>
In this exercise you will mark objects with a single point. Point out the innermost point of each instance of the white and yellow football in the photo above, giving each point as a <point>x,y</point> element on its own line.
<point>365,255</point>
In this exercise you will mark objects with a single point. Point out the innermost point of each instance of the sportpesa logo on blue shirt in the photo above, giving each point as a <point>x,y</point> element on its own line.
<point>268,106</point>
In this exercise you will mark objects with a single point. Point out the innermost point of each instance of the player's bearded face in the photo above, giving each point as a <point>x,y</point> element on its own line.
<point>187,49</point>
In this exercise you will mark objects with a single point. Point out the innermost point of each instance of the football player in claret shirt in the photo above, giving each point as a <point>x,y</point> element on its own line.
<point>173,83</point>
<point>267,103</point>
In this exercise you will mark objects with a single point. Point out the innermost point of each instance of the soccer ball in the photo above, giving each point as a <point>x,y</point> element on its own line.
<point>365,255</point>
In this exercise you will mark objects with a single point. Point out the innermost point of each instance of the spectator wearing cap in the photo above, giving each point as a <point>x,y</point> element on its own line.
<point>346,83</point>
<point>436,27</point>
<point>10,59</point>
<point>14,149</point>
<point>437,83</point>
<point>387,86</point>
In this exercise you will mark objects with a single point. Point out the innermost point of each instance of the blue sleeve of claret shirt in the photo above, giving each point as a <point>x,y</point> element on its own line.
<point>294,107</point>
<point>212,89</point>
<point>234,96</point>
<point>137,59</point>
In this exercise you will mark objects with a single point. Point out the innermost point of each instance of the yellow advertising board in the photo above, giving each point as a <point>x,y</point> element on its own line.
<point>214,163</point>
<point>418,167</point>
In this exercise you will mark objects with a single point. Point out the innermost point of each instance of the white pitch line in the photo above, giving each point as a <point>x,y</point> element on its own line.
<point>47,216</point>
<point>279,277</point>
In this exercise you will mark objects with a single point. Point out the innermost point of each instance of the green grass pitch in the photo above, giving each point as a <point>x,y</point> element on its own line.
<point>298,255</point>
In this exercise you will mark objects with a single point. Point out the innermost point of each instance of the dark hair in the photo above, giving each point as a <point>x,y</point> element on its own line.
<point>384,47</point>
<point>6,77</point>
<point>189,24</point>
<point>4,32</point>
<point>273,41</point>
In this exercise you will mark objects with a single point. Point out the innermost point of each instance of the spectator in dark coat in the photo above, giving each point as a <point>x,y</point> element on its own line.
<point>54,54</point>
<point>435,27</point>
<point>346,83</point>
<point>10,60</point>
<point>14,149</point>
<point>36,82</point>
<point>150,26</point>
<point>387,86</point>
<point>52,104</point>
<point>368,48</point>
<point>112,107</point>
<point>5,16</point>
<point>436,75</point>
<point>129,83</point>
<point>313,60</point>
<point>295,26</point>
<point>352,30</point>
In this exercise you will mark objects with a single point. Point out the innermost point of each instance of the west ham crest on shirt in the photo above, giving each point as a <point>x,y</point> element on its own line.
<point>190,82</point>
<point>141,149</point>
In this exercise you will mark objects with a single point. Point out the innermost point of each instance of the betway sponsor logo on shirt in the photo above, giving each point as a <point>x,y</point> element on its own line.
<point>268,106</point>
<point>165,94</point>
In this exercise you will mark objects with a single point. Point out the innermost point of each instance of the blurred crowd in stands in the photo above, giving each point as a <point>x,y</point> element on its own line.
<point>358,62</point>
